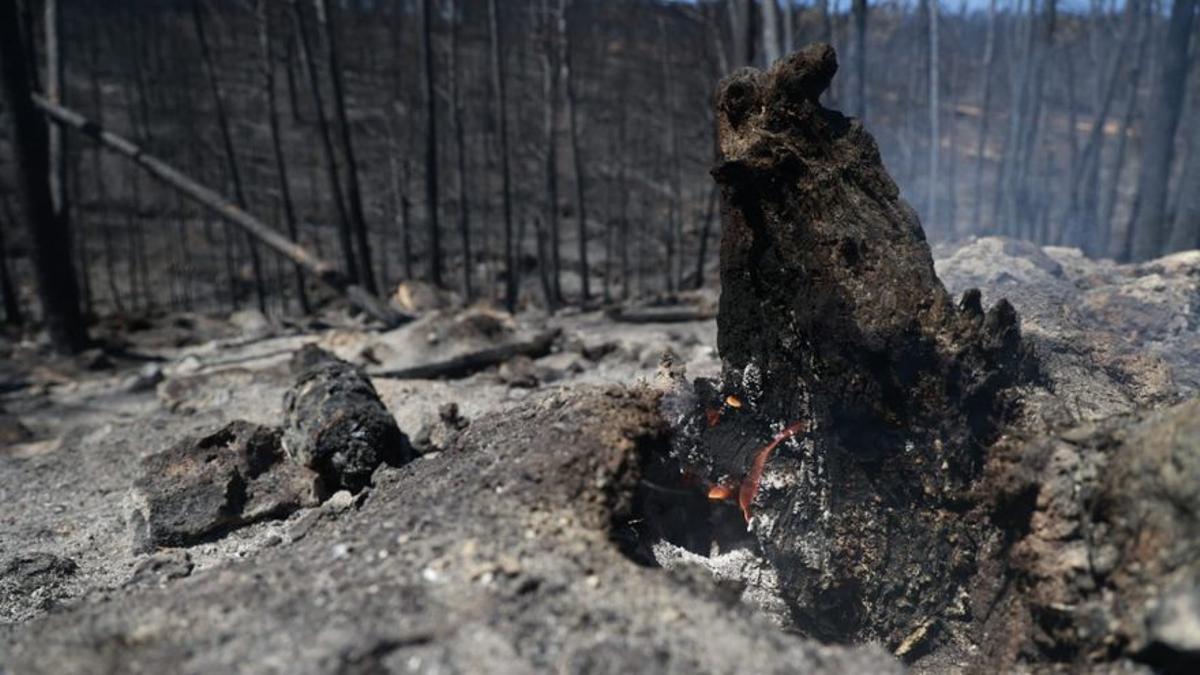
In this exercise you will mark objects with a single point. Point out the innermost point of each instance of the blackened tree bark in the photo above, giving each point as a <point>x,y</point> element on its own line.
<point>550,101</point>
<point>460,143</point>
<point>1149,223</point>
<point>989,56</point>
<point>331,166</point>
<point>576,148</point>
<point>58,288</point>
<point>498,85</point>
<point>263,9</point>
<point>8,291</point>
<point>231,160</point>
<point>326,14</point>
<point>431,146</point>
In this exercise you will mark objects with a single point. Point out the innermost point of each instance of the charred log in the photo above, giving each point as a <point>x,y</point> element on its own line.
<point>335,423</point>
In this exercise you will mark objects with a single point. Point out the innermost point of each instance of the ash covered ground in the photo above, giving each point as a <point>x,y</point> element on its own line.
<point>504,545</point>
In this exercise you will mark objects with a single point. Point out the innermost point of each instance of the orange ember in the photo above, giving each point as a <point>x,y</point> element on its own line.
<point>712,417</point>
<point>719,493</point>
<point>750,484</point>
<point>733,401</point>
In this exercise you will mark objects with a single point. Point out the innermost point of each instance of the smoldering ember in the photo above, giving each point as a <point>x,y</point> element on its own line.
<point>833,440</point>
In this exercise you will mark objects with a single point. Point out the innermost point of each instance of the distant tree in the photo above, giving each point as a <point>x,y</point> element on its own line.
<point>770,32</point>
<point>263,10</point>
<point>860,58</point>
<point>495,38</point>
<point>576,146</point>
<point>1149,226</point>
<point>58,288</point>
<point>227,144</point>
<point>8,290</point>
<point>326,15</point>
<point>431,145</point>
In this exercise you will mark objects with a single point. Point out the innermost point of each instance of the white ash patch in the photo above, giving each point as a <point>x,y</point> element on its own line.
<point>761,584</point>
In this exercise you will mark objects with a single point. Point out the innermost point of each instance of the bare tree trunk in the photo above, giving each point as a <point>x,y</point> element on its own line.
<point>770,32</point>
<point>935,137</point>
<point>1116,244</point>
<point>788,20</point>
<point>702,254</point>
<point>464,203</point>
<point>1185,229</point>
<point>576,148</point>
<point>860,58</point>
<point>1148,225</point>
<point>431,147</point>
<point>320,269</point>
<point>498,85</point>
<point>331,167</point>
<point>227,143</point>
<point>58,288</point>
<point>326,15</point>
<point>985,110</point>
<point>550,101</point>
<point>54,93</point>
<point>13,315</point>
<point>101,186</point>
<point>263,10</point>
<point>1082,223</point>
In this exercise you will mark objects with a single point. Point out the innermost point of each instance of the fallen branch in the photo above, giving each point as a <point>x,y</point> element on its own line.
<point>473,362</point>
<point>320,269</point>
<point>660,314</point>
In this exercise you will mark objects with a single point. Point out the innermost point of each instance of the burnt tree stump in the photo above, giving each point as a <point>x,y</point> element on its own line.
<point>856,397</point>
<point>335,424</point>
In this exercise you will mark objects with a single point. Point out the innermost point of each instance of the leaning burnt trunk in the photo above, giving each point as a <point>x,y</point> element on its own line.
<point>856,397</point>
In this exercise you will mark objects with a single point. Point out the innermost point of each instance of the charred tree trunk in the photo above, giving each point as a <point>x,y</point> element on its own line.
<point>770,32</point>
<point>498,86</point>
<point>860,58</point>
<point>985,110</point>
<point>326,16</point>
<point>1116,242</point>
<point>13,315</point>
<point>576,148</point>
<point>231,160</point>
<point>331,167</point>
<point>550,102</point>
<point>431,146</point>
<point>58,288</point>
<point>935,131</point>
<point>1149,225</point>
<point>263,10</point>
<point>460,138</point>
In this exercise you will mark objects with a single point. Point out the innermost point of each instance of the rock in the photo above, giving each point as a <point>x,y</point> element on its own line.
<point>419,296</point>
<point>250,323</point>
<point>94,359</point>
<point>162,567</point>
<point>1173,631</point>
<point>202,487</point>
<point>31,582</point>
<point>1105,541</point>
<point>856,397</point>
<point>335,424</point>
<point>13,431</point>
<point>520,372</point>
<point>146,379</point>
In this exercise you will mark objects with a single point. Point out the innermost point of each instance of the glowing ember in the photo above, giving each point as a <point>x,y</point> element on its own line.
<point>719,493</point>
<point>733,401</point>
<point>749,487</point>
<point>712,417</point>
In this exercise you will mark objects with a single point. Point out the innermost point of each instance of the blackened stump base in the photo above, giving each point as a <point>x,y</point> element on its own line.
<point>831,315</point>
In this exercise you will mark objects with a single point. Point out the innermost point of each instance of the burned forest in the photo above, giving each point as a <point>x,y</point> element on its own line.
<point>599,336</point>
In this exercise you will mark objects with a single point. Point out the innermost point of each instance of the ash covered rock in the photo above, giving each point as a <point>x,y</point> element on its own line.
<point>204,486</point>
<point>856,396</point>
<point>335,423</point>
<point>30,582</point>
<point>1104,559</point>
